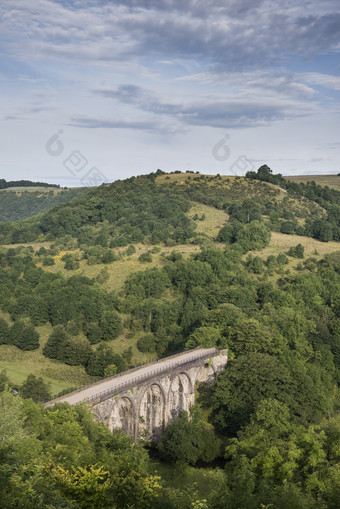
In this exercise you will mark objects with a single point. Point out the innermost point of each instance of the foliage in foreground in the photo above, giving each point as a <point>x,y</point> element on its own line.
<point>60,457</point>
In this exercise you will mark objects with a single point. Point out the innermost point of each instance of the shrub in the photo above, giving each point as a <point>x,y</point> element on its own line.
<point>297,251</point>
<point>147,343</point>
<point>48,261</point>
<point>145,258</point>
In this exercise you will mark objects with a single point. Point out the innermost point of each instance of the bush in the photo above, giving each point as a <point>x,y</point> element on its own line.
<point>287,227</point>
<point>71,264</point>
<point>76,351</point>
<point>48,261</point>
<point>254,235</point>
<point>282,259</point>
<point>147,343</point>
<point>145,258</point>
<point>131,250</point>
<point>55,343</point>
<point>101,359</point>
<point>94,334</point>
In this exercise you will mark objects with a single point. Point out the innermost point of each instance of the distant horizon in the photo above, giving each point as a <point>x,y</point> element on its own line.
<point>167,172</point>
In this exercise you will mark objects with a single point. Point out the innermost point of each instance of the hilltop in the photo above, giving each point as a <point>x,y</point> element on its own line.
<point>24,183</point>
<point>153,208</point>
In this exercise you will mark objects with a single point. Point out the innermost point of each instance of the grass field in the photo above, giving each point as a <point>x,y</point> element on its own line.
<point>281,242</point>
<point>19,365</point>
<point>322,180</point>
<point>214,219</point>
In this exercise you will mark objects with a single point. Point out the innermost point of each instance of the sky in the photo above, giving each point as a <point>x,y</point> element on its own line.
<point>94,90</point>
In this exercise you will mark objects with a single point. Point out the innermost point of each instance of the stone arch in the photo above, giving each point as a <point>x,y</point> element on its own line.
<point>152,412</point>
<point>206,373</point>
<point>179,397</point>
<point>123,415</point>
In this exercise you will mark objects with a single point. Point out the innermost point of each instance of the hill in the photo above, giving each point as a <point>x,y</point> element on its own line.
<point>153,265</point>
<point>154,208</point>
<point>104,237</point>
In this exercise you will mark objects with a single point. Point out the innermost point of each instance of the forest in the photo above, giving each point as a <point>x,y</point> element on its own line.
<point>29,201</point>
<point>267,432</point>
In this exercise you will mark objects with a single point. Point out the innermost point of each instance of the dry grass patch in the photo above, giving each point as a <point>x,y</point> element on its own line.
<point>213,222</point>
<point>280,243</point>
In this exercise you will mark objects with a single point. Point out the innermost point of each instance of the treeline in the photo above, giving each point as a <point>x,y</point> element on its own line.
<point>17,206</point>
<point>24,183</point>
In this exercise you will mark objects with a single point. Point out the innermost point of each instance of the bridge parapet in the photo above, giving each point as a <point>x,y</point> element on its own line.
<point>155,372</point>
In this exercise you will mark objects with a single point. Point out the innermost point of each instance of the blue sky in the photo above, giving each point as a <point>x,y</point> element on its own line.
<point>96,90</point>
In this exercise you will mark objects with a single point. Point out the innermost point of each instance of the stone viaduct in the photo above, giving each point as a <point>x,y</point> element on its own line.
<point>144,400</point>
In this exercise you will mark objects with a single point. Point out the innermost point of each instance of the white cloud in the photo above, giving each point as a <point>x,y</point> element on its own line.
<point>192,66</point>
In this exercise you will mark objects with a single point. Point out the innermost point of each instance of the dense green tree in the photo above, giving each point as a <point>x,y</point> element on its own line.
<point>247,336</point>
<point>76,351</point>
<point>287,227</point>
<point>56,342</point>
<point>254,235</point>
<point>251,378</point>
<point>111,325</point>
<point>4,332</point>
<point>100,359</point>
<point>94,334</point>
<point>187,441</point>
<point>205,337</point>
<point>28,339</point>
<point>35,388</point>
<point>61,457</point>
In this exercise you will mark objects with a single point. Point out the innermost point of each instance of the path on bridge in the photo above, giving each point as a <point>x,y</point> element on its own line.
<point>141,373</point>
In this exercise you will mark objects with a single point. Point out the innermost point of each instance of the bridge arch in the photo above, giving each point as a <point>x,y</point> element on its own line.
<point>205,373</point>
<point>152,412</point>
<point>123,415</point>
<point>179,395</point>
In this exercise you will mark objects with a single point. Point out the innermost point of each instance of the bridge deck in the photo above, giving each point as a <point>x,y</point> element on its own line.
<point>119,381</point>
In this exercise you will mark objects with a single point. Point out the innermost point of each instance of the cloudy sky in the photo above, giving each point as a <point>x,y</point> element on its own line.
<point>96,90</point>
